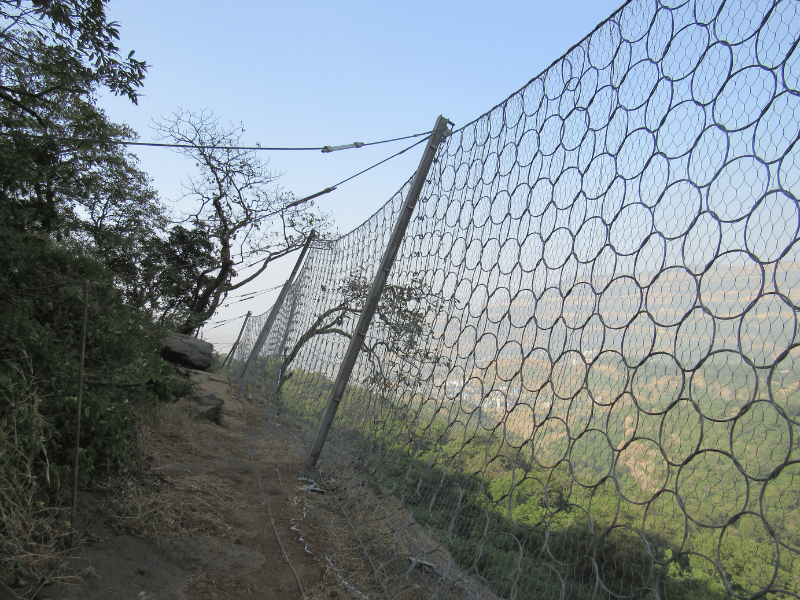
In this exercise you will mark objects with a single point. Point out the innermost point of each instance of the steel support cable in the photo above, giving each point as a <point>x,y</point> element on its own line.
<point>291,204</point>
<point>395,155</point>
<point>325,149</point>
<point>283,550</point>
<point>221,323</point>
<point>332,188</point>
<point>246,295</point>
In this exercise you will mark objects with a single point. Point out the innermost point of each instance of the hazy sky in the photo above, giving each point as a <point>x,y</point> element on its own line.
<point>315,74</point>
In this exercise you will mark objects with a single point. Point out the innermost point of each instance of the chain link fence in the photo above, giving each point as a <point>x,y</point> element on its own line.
<point>583,379</point>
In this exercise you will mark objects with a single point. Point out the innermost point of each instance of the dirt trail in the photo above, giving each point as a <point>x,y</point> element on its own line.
<point>194,521</point>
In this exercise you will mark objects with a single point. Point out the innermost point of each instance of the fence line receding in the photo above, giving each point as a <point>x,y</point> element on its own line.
<point>583,377</point>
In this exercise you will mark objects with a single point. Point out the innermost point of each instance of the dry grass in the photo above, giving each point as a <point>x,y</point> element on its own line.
<point>34,528</point>
<point>347,571</point>
<point>214,584</point>
<point>155,503</point>
<point>32,535</point>
<point>175,506</point>
<point>412,561</point>
<point>163,429</point>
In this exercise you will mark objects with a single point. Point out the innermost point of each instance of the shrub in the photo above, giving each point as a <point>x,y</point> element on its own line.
<point>42,308</point>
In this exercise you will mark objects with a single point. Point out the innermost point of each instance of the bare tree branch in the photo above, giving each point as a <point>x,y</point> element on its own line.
<point>237,206</point>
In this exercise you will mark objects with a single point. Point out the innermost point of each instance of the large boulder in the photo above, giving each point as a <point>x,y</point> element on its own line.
<point>187,351</point>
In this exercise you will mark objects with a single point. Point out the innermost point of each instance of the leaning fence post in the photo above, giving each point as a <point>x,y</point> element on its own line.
<point>273,314</point>
<point>236,343</point>
<point>78,410</point>
<point>371,305</point>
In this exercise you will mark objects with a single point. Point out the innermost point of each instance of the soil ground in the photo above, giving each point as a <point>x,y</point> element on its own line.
<point>192,521</point>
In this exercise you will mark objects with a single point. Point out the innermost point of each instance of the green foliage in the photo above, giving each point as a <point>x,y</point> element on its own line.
<point>72,211</point>
<point>42,307</point>
<point>494,524</point>
<point>91,196</point>
<point>85,45</point>
<point>55,56</point>
<point>181,388</point>
<point>216,416</point>
<point>515,523</point>
<point>186,257</point>
<point>47,95</point>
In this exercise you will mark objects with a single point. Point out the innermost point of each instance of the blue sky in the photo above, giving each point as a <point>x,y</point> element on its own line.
<point>314,73</point>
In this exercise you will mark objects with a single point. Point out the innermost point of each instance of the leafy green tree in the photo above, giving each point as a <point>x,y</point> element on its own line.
<point>54,56</point>
<point>94,198</point>
<point>91,196</point>
<point>82,52</point>
<point>70,212</point>
<point>44,176</point>
<point>186,258</point>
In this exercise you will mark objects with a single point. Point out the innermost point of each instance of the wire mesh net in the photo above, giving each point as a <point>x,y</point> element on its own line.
<point>583,378</point>
<point>247,341</point>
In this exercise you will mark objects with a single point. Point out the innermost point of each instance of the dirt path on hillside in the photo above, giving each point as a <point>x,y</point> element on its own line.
<point>193,521</point>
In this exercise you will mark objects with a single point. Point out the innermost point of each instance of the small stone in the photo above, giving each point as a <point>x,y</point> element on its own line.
<point>213,414</point>
<point>210,400</point>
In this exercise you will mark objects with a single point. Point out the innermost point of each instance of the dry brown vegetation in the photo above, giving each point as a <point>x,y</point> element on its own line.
<point>172,501</point>
<point>197,484</point>
<point>33,532</point>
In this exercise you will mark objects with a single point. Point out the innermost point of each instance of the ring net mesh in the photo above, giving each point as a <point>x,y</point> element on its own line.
<point>247,341</point>
<point>583,380</point>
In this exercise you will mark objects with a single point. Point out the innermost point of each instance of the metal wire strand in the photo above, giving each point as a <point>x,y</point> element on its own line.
<point>283,550</point>
<point>583,379</point>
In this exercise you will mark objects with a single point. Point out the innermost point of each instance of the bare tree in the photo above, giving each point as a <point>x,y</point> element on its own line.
<point>237,205</point>
<point>398,329</point>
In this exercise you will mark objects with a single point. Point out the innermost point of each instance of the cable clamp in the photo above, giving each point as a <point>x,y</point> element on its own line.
<point>345,147</point>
